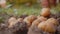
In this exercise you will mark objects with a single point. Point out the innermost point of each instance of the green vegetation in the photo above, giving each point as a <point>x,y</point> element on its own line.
<point>22,9</point>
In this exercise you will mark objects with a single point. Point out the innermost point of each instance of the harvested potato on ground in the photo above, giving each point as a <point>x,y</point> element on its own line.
<point>20,19</point>
<point>45,12</point>
<point>47,27</point>
<point>51,28</point>
<point>42,18</point>
<point>52,20</point>
<point>38,20</point>
<point>42,25</point>
<point>30,19</point>
<point>12,21</point>
<point>34,30</point>
<point>38,16</point>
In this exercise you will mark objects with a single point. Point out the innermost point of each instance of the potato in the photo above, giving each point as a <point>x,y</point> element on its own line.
<point>47,27</point>
<point>40,19</point>
<point>50,28</point>
<point>36,22</point>
<point>42,25</point>
<point>52,20</point>
<point>12,21</point>
<point>30,19</point>
<point>38,16</point>
<point>45,12</point>
<point>20,19</point>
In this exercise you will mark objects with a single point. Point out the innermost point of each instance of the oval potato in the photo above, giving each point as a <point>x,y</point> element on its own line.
<point>45,12</point>
<point>30,19</point>
<point>47,27</point>
<point>52,20</point>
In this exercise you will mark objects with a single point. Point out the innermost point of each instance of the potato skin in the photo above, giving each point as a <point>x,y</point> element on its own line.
<point>42,18</point>
<point>34,30</point>
<point>52,20</point>
<point>20,19</point>
<point>45,12</point>
<point>12,21</point>
<point>29,19</point>
<point>38,16</point>
<point>38,20</point>
<point>51,28</point>
<point>34,27</point>
<point>42,25</point>
<point>47,27</point>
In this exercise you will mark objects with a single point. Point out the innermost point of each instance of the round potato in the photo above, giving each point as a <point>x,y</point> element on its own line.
<point>52,20</point>
<point>38,20</point>
<point>20,19</point>
<point>47,27</point>
<point>45,12</point>
<point>38,16</point>
<point>12,21</point>
<point>42,25</point>
<point>30,19</point>
<point>41,18</point>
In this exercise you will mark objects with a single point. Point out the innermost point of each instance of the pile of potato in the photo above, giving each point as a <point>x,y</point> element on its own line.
<point>45,24</point>
<point>41,24</point>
